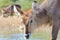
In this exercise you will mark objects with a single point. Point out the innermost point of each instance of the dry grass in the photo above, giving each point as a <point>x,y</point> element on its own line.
<point>9,24</point>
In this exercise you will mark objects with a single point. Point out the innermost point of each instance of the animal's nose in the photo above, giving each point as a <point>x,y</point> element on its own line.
<point>27,36</point>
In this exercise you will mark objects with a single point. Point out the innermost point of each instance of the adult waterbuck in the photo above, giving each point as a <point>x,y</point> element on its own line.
<point>47,12</point>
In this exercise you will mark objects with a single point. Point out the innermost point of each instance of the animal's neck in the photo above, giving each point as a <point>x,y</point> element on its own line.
<point>58,1</point>
<point>53,3</point>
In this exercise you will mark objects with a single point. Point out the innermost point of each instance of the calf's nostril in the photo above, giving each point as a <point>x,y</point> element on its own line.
<point>27,36</point>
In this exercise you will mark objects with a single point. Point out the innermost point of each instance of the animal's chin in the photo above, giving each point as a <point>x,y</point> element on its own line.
<point>27,36</point>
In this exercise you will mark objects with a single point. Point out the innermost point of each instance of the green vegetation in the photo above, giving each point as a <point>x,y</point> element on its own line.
<point>42,35</point>
<point>26,4</point>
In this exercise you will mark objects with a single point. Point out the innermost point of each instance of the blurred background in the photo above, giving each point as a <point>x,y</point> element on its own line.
<point>26,4</point>
<point>9,27</point>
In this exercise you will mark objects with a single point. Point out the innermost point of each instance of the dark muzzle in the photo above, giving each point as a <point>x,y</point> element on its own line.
<point>27,36</point>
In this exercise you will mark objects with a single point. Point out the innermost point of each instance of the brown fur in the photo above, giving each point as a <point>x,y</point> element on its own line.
<point>49,12</point>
